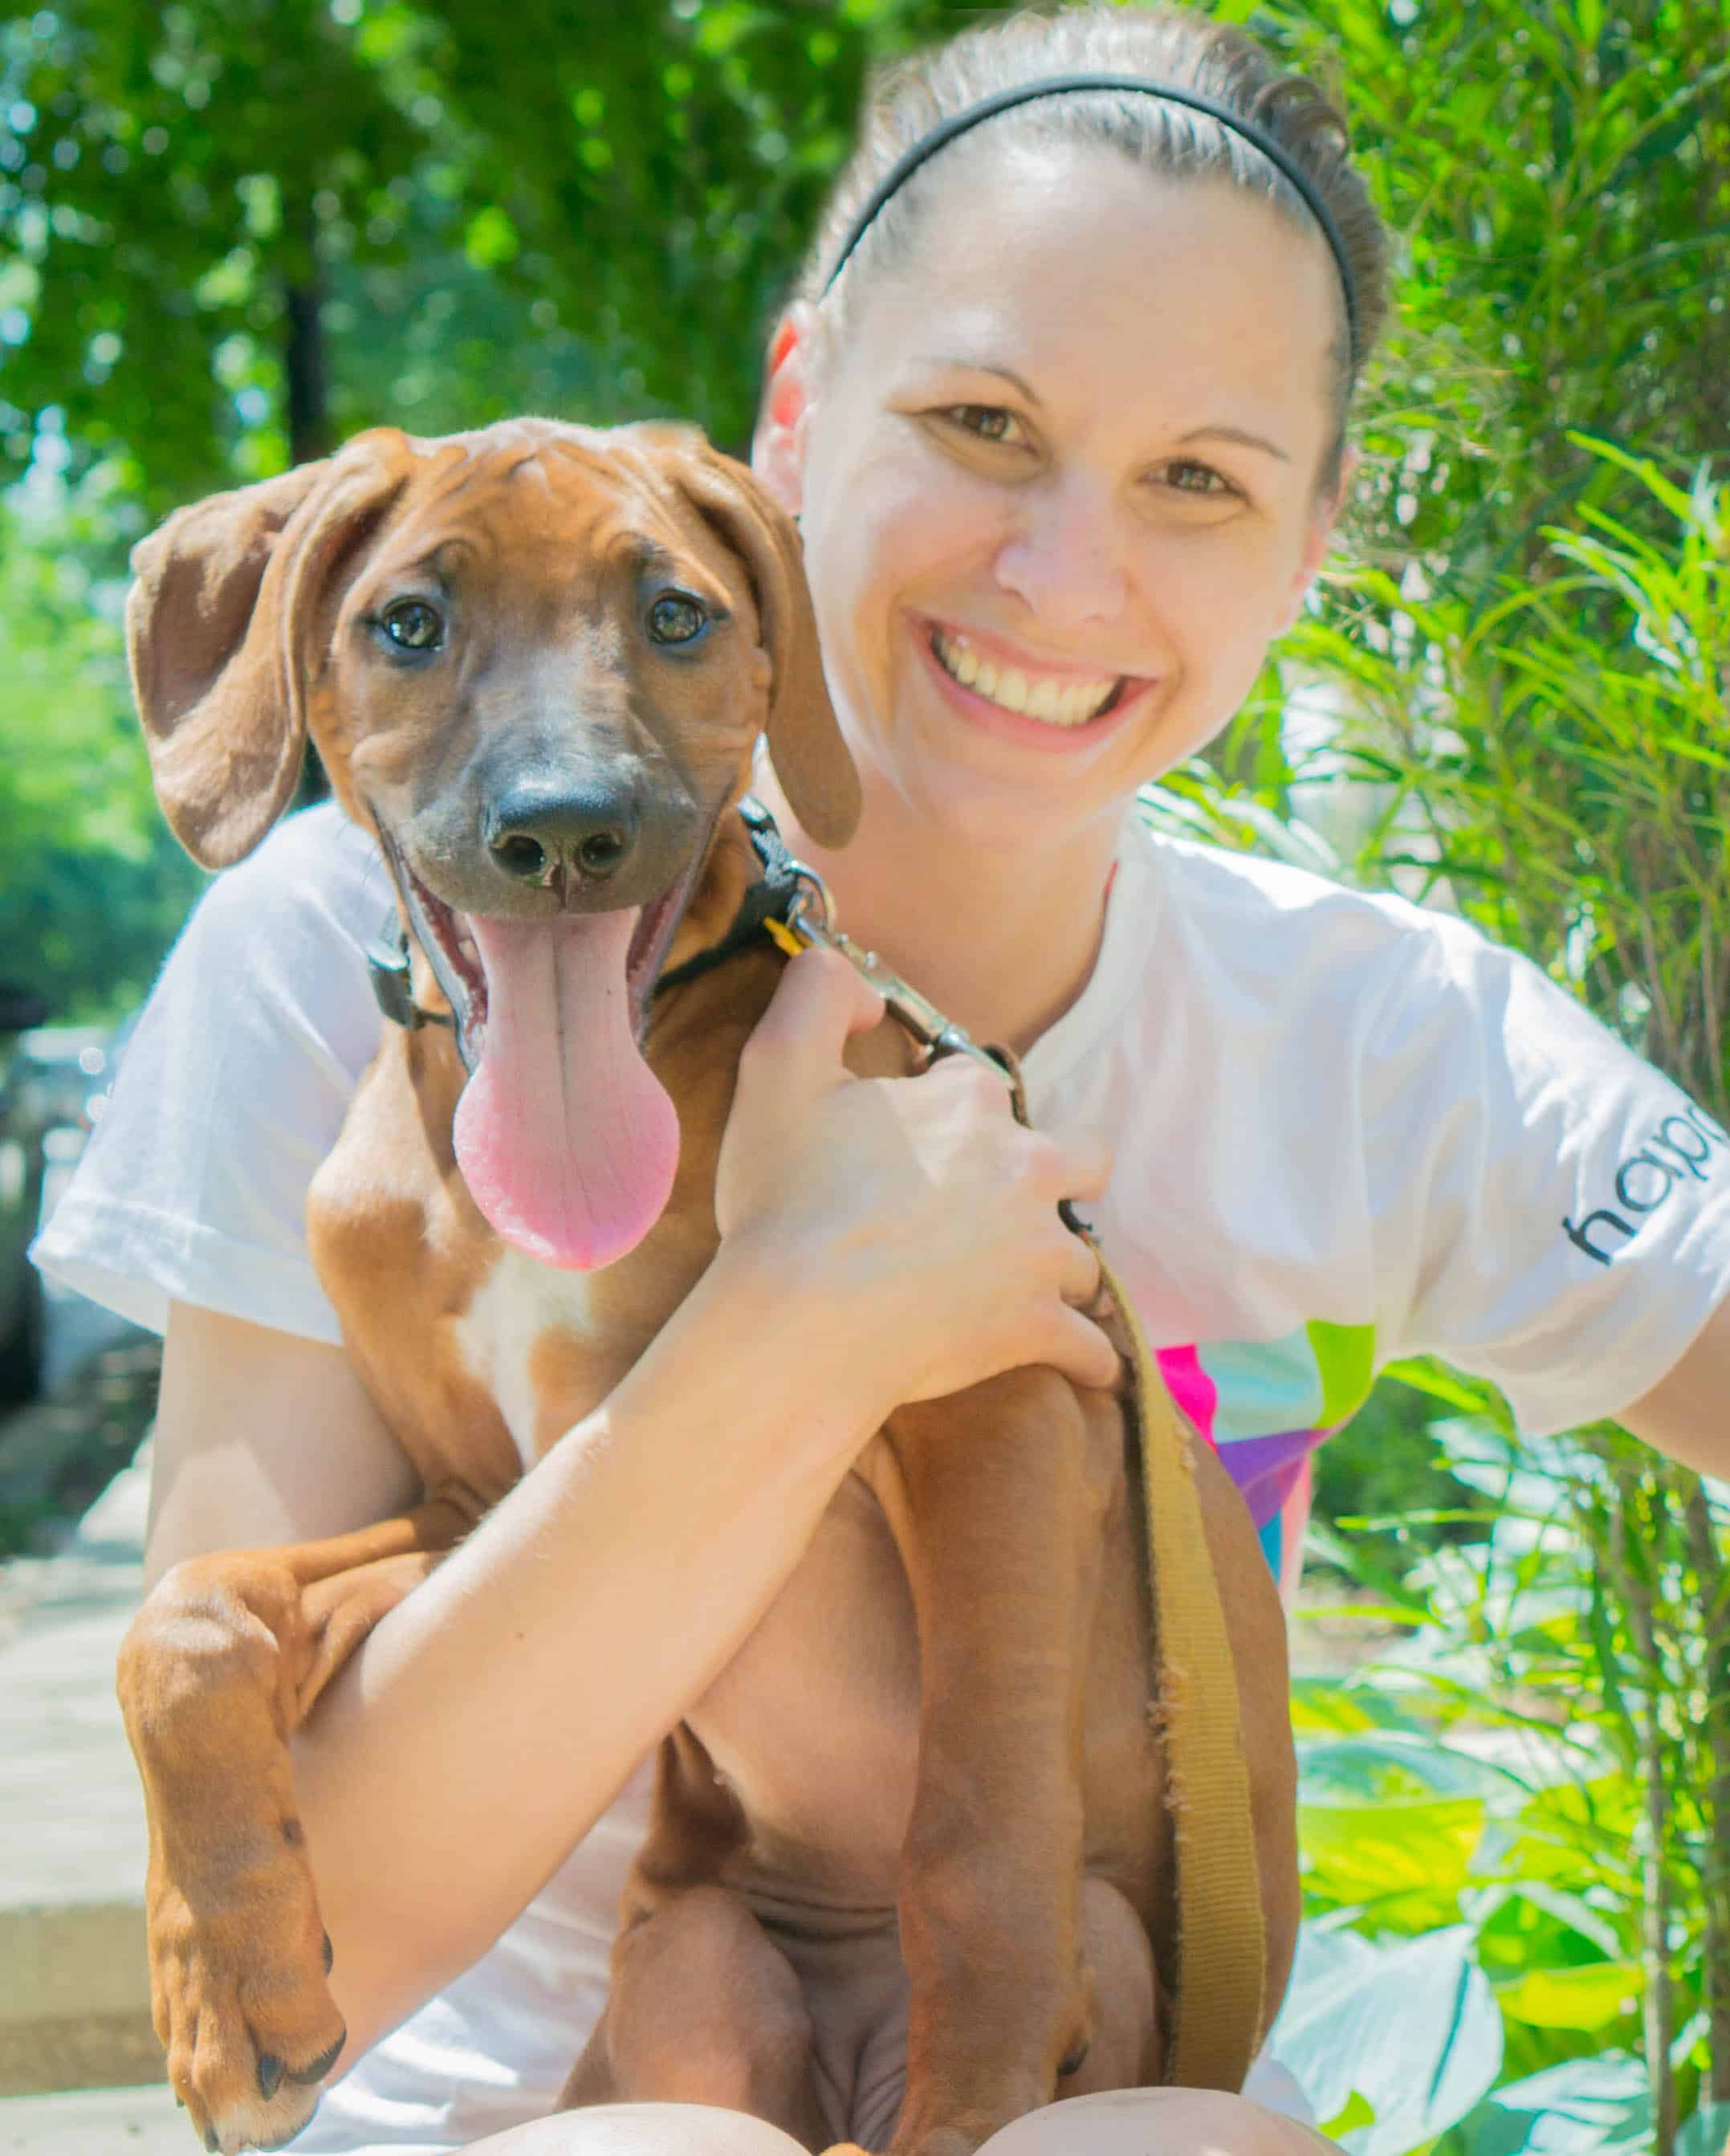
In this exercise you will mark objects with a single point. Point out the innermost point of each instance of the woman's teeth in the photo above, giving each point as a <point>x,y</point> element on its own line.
<point>1056,704</point>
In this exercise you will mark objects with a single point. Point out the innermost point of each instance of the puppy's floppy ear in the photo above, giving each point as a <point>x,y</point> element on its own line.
<point>220,627</point>
<point>811,759</point>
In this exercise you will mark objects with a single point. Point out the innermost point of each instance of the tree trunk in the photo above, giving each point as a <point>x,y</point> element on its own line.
<point>1657,2014</point>
<point>1709,1569</point>
<point>303,376</point>
<point>306,399</point>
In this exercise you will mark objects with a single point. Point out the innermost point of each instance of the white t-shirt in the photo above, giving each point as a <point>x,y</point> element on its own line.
<point>1345,1130</point>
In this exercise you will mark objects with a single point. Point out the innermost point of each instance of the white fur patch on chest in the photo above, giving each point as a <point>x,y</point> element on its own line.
<point>519,1301</point>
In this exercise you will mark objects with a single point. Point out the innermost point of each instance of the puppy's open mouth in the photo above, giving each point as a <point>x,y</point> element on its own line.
<point>566,1140</point>
<point>447,938</point>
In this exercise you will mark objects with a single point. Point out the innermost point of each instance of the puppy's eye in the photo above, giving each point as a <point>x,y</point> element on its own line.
<point>413,625</point>
<point>676,618</point>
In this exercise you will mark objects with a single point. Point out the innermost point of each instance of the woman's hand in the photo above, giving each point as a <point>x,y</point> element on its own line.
<point>916,1209</point>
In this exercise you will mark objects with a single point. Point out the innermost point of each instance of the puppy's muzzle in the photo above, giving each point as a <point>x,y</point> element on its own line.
<point>563,839</point>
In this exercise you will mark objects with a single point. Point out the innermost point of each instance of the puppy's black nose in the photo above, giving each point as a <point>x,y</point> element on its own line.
<point>539,834</point>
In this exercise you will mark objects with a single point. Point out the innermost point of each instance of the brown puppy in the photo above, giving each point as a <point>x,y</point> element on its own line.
<point>534,660</point>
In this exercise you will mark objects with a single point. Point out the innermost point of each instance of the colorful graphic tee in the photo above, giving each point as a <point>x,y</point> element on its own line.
<point>1265,1406</point>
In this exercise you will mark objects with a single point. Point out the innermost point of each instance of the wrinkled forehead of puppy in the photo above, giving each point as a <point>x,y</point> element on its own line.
<point>541,505</point>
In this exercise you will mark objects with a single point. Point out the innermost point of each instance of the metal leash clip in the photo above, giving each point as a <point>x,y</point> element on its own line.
<point>811,925</point>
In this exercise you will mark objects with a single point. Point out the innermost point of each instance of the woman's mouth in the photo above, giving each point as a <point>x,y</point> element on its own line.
<point>1052,700</point>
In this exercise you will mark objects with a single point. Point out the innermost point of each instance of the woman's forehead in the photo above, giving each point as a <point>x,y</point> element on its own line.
<point>1066,264</point>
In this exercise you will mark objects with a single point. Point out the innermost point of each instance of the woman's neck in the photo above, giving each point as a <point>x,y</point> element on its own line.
<point>1002,942</point>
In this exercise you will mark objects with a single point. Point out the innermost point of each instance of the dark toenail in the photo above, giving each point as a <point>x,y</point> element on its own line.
<point>269,2075</point>
<point>305,2076</point>
<point>330,1953</point>
<point>212,2141</point>
<point>1076,2060</point>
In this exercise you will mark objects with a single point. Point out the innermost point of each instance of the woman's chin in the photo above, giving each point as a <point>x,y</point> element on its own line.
<point>989,812</point>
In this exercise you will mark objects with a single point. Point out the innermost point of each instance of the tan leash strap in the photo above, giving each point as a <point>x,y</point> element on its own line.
<point>1222,1954</point>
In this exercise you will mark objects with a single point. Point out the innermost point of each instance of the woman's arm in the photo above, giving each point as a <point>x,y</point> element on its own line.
<point>262,1437</point>
<point>1686,1414</point>
<point>494,1715</point>
<point>880,1242</point>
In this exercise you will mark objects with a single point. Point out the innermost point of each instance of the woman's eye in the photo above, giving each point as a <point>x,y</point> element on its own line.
<point>987,422</point>
<point>1187,476</point>
<point>675,618</point>
<point>413,625</point>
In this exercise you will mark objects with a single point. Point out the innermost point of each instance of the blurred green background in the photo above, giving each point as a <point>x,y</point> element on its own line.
<point>233,231</point>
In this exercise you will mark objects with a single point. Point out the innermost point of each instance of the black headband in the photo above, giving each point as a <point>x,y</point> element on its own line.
<point>1058,85</point>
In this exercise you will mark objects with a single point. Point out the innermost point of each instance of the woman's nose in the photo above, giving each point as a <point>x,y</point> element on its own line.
<point>1064,560</point>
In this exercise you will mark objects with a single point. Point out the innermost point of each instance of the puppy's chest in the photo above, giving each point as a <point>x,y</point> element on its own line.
<point>549,1346</point>
<point>527,1336</point>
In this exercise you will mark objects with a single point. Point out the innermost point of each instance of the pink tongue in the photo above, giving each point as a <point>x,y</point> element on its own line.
<point>566,1138</point>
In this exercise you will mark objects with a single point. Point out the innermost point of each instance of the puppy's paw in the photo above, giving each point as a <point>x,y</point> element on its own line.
<point>245,2016</point>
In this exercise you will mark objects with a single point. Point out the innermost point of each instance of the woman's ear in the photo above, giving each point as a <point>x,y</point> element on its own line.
<point>778,446</point>
<point>1316,540</point>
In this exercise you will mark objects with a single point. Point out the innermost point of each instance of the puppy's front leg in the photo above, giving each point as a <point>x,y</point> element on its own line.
<point>1001,1498</point>
<point>218,1669</point>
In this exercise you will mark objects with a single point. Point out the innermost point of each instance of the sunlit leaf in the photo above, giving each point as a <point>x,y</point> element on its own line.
<point>1592,2106</point>
<point>1358,2112</point>
<point>1587,1998</point>
<point>1411,2030</point>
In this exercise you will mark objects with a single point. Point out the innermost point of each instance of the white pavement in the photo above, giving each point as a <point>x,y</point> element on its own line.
<point>73,1995</point>
<point>141,2122</point>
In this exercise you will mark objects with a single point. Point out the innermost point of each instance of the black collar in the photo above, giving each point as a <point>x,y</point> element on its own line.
<point>768,899</point>
<point>387,967</point>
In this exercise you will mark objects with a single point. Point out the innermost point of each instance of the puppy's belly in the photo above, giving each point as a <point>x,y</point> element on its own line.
<point>815,1724</point>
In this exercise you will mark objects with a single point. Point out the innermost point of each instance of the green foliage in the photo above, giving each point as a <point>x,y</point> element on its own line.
<point>1540,1759</point>
<point>168,176</point>
<point>1558,175</point>
<point>632,192</point>
<point>92,887</point>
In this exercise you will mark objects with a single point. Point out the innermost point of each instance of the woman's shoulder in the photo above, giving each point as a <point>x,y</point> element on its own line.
<point>274,954</point>
<point>314,873</point>
<point>1244,918</point>
<point>1318,971</point>
<point>233,1089</point>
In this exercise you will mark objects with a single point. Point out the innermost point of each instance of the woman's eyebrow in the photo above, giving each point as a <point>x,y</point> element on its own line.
<point>1234,435</point>
<point>982,366</point>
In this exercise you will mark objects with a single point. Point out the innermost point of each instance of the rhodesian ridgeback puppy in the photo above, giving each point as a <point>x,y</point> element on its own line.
<point>535,660</point>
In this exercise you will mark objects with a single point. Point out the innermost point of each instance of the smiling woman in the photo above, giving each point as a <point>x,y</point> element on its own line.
<point>1060,405</point>
<point>1027,539</point>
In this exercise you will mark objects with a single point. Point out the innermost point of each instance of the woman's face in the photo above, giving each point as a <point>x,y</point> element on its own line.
<point>1058,491</point>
